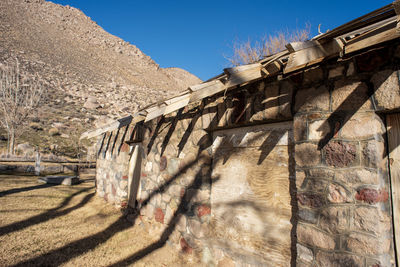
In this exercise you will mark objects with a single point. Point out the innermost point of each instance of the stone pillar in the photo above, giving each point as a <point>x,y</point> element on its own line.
<point>341,177</point>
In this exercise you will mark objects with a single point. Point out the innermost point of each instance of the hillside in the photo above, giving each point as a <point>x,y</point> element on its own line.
<point>91,75</point>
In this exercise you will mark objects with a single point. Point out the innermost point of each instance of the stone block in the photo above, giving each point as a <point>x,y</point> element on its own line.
<point>198,138</point>
<point>336,72</point>
<point>226,262</point>
<point>300,177</point>
<point>373,154</point>
<point>372,195</point>
<point>311,200</point>
<point>313,237</point>
<point>125,148</point>
<point>163,163</point>
<point>353,177</point>
<point>350,95</point>
<point>186,248</point>
<point>203,210</point>
<point>122,193</point>
<point>200,196</point>
<point>367,244</point>
<point>350,69</point>
<point>166,197</point>
<point>315,184</point>
<point>340,154</point>
<point>123,185</point>
<point>171,149</point>
<point>181,224</point>
<point>321,173</point>
<point>148,211</point>
<point>206,119</point>
<point>371,61</point>
<point>329,259</point>
<point>387,91</point>
<point>307,154</point>
<point>168,214</point>
<point>334,219</point>
<point>304,253</point>
<point>175,190</point>
<point>271,103</point>
<point>317,130</point>
<point>312,76</point>
<point>362,125</point>
<point>338,194</point>
<point>308,215</point>
<point>159,215</point>
<point>285,99</point>
<point>173,166</point>
<point>222,114</point>
<point>198,229</point>
<point>312,99</point>
<point>258,107</point>
<point>300,128</point>
<point>371,219</point>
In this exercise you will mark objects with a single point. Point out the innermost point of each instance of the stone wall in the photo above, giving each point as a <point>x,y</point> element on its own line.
<point>339,193</point>
<point>112,168</point>
<point>341,165</point>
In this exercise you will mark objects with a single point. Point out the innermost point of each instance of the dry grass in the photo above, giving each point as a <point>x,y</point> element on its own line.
<point>70,226</point>
<point>249,52</point>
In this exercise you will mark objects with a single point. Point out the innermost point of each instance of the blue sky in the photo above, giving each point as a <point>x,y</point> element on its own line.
<point>197,35</point>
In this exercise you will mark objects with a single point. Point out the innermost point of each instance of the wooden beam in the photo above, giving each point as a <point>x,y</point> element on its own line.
<point>312,54</point>
<point>272,68</point>
<point>393,133</point>
<point>238,69</point>
<point>243,74</point>
<point>106,128</point>
<point>365,20</point>
<point>179,103</point>
<point>155,112</point>
<point>297,46</point>
<point>384,33</point>
<point>209,88</point>
<point>201,86</point>
<point>368,28</point>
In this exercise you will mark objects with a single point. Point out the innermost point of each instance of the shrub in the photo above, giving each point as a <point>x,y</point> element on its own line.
<point>249,52</point>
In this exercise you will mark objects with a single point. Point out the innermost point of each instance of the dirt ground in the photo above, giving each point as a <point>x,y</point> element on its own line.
<point>43,225</point>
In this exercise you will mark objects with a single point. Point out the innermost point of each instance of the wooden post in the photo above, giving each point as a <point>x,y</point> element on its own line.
<point>134,174</point>
<point>393,130</point>
<point>37,164</point>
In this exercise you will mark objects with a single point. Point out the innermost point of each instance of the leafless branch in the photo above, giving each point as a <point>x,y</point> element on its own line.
<point>249,52</point>
<point>18,98</point>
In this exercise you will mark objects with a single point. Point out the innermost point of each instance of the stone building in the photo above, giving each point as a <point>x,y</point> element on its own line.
<point>293,160</point>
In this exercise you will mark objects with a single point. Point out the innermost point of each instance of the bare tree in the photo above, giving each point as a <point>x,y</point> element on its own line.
<point>250,52</point>
<point>18,98</point>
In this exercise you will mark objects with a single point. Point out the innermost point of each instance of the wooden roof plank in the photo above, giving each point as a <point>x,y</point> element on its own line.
<point>312,55</point>
<point>235,70</point>
<point>272,68</point>
<point>212,88</point>
<point>106,128</point>
<point>177,104</point>
<point>250,74</point>
<point>201,86</point>
<point>385,33</point>
<point>365,20</point>
<point>154,113</point>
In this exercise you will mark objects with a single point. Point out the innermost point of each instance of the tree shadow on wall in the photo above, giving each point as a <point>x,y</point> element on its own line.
<point>358,99</point>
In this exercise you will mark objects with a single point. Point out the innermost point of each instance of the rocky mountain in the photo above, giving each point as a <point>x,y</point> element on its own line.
<point>91,76</point>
